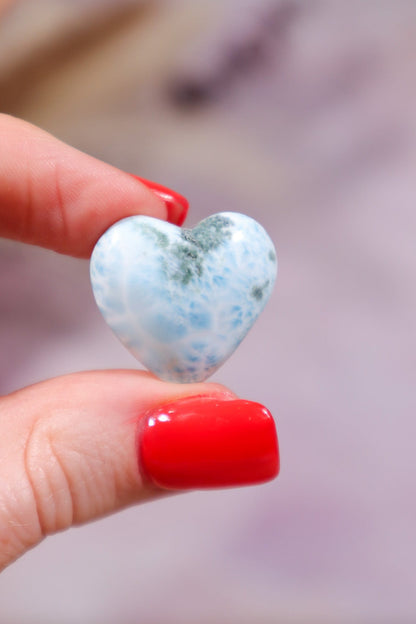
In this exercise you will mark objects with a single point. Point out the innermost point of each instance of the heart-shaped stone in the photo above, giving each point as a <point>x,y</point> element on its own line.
<point>181,300</point>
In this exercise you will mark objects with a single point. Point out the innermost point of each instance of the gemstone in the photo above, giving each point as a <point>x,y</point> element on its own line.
<point>181,300</point>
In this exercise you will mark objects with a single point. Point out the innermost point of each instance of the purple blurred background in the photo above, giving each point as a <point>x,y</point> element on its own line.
<point>302,115</point>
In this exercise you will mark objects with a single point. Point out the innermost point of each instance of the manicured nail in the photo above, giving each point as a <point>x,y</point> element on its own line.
<point>206,442</point>
<point>177,205</point>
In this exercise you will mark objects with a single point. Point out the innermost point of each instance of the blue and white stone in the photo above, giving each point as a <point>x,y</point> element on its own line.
<point>182,300</point>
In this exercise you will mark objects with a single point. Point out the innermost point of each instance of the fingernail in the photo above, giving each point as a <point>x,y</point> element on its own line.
<point>206,442</point>
<point>177,205</point>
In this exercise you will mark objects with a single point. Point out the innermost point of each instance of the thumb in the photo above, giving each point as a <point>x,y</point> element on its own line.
<point>77,447</point>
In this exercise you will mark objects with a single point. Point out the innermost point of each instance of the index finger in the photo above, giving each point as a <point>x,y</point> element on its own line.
<point>57,197</point>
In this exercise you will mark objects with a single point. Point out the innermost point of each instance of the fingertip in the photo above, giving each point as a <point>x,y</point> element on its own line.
<point>176,205</point>
<point>202,442</point>
<point>58,197</point>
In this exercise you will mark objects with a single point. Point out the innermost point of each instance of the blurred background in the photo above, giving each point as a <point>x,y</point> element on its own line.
<point>302,115</point>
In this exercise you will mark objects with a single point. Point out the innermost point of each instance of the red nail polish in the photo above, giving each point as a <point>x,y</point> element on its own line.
<point>205,442</point>
<point>177,205</point>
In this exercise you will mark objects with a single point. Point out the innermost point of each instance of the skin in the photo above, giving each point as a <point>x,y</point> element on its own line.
<point>68,446</point>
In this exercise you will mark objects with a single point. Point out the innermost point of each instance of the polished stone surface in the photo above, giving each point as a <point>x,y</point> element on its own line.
<point>182,300</point>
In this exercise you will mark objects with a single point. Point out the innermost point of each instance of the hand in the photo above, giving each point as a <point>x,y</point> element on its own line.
<point>77,447</point>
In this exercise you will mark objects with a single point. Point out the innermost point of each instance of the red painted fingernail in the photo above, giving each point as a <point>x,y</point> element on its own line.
<point>206,442</point>
<point>177,205</point>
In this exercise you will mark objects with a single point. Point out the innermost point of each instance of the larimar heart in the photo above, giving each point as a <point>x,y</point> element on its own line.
<point>181,300</point>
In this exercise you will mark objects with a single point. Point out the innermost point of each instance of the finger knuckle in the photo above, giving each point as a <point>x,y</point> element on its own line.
<point>48,478</point>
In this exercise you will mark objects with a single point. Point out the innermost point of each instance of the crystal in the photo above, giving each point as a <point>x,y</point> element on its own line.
<point>181,300</point>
